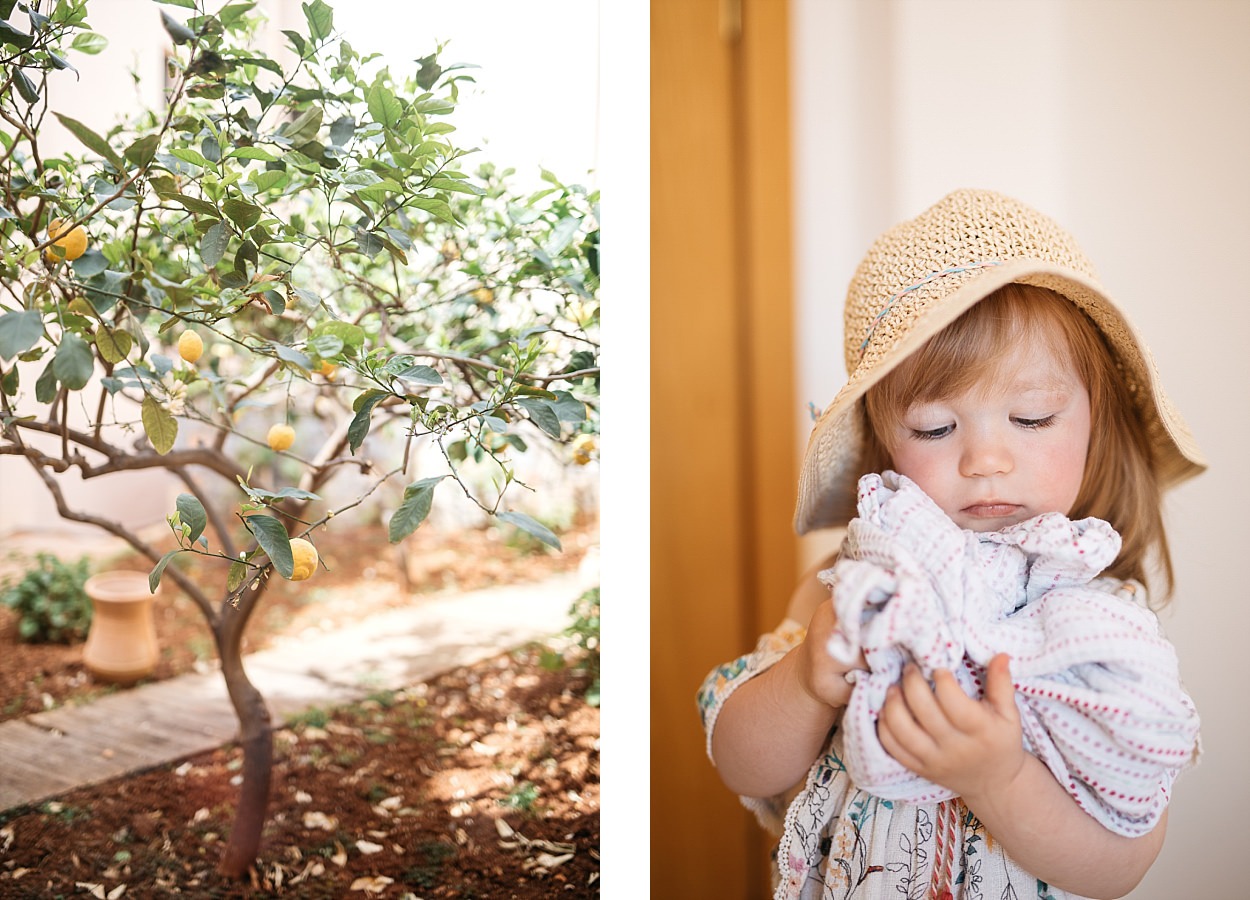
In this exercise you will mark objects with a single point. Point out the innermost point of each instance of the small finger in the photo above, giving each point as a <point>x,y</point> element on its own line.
<point>896,749</point>
<point>900,721</point>
<point>961,711</point>
<point>1000,690</point>
<point>922,703</point>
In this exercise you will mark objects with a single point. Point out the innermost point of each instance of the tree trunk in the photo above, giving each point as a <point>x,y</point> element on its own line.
<point>256,738</point>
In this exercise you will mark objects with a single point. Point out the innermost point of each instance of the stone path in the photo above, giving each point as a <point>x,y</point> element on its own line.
<point>48,753</point>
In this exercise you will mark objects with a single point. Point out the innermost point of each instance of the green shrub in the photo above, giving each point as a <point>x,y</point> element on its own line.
<point>584,631</point>
<point>50,601</point>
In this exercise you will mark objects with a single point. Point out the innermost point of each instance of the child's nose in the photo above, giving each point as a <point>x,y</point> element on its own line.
<point>985,455</point>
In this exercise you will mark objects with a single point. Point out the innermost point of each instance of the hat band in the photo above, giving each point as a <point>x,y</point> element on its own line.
<point>889,304</point>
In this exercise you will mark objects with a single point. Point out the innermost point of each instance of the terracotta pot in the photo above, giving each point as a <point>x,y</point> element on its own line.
<point>121,645</point>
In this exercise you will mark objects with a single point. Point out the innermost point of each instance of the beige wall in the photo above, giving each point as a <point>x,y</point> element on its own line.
<point>1128,123</point>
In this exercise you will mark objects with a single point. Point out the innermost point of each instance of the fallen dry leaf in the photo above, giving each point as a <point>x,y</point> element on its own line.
<point>320,820</point>
<point>547,861</point>
<point>368,847</point>
<point>312,870</point>
<point>95,890</point>
<point>375,884</point>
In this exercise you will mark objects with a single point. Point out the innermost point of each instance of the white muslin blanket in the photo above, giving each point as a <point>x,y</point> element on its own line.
<point>1097,686</point>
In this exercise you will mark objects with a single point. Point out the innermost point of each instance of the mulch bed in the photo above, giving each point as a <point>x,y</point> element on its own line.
<point>482,783</point>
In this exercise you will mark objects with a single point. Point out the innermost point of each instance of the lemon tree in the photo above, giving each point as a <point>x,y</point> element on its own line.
<point>300,235</point>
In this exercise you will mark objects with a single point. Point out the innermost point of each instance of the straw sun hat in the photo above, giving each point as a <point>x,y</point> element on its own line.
<point>919,277</point>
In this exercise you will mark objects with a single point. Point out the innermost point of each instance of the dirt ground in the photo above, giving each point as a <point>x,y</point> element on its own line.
<point>482,783</point>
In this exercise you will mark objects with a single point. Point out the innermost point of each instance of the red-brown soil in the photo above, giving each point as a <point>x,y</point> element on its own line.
<point>482,783</point>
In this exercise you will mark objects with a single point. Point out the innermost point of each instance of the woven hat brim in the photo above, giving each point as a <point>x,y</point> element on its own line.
<point>829,472</point>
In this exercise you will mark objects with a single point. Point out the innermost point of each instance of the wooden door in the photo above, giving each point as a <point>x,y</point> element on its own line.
<point>723,459</point>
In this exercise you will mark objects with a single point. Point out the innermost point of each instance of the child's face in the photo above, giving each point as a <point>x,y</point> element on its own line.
<point>1011,448</point>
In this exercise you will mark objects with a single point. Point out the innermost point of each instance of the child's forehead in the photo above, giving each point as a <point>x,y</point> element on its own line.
<point>1029,367</point>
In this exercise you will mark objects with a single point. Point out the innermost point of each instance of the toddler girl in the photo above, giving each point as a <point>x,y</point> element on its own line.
<point>986,708</point>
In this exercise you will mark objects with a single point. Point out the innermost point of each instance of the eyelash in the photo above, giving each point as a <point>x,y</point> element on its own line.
<point>936,434</point>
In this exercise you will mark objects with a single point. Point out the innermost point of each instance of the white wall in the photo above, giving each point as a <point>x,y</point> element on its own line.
<point>1127,123</point>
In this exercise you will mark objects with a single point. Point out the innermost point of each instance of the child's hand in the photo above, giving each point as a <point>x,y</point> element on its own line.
<point>969,746</point>
<point>822,676</point>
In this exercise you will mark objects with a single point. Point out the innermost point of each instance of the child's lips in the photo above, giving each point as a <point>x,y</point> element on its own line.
<point>992,509</point>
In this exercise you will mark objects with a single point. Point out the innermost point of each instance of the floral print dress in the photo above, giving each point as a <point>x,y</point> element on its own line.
<point>838,842</point>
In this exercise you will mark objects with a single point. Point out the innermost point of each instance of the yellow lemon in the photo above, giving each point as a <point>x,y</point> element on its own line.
<point>281,437</point>
<point>70,244</point>
<point>327,370</point>
<point>583,447</point>
<point>305,556</point>
<point>190,346</point>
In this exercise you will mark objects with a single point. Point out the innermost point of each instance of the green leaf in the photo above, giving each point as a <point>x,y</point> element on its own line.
<point>421,375</point>
<point>196,205</point>
<point>213,244</point>
<point>73,363</point>
<point>359,426</point>
<point>341,131</point>
<point>267,180</point>
<point>291,355</point>
<point>25,86</point>
<point>140,153</point>
<point>437,208</point>
<point>413,510</point>
<point>113,344</point>
<point>530,526</point>
<point>297,41</point>
<point>93,262</point>
<point>305,126</point>
<point>186,154</point>
<point>10,381</point>
<point>180,33</point>
<point>251,153</point>
<point>19,331</point>
<point>192,513</point>
<point>273,539</point>
<point>14,36</point>
<point>542,413</point>
<point>276,301</point>
<point>160,426</point>
<point>211,149</point>
<point>325,345</point>
<point>91,140</point>
<point>45,385</point>
<point>89,42</point>
<point>569,408</point>
<point>242,213</point>
<point>154,577</point>
<point>320,19</point>
<point>349,334</point>
<point>384,107</point>
<point>368,243</point>
<point>238,572</point>
<point>286,492</point>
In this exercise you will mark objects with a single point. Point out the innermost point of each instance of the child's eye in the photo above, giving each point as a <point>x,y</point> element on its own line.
<point>931,434</point>
<point>1035,423</point>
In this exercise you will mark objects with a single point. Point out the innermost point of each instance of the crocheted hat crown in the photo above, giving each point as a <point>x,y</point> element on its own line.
<point>919,262</point>
<point>921,275</point>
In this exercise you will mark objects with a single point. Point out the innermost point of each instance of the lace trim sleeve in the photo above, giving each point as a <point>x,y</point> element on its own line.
<point>722,681</point>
